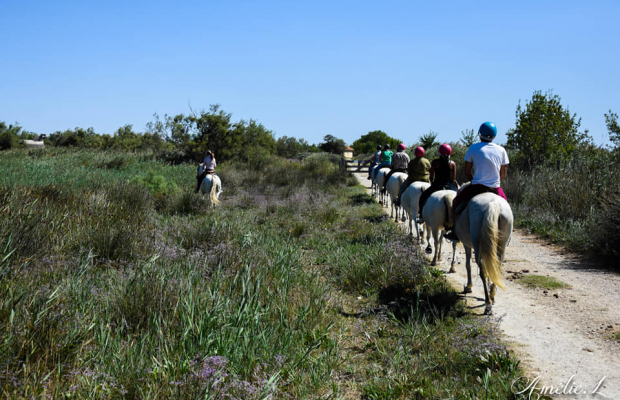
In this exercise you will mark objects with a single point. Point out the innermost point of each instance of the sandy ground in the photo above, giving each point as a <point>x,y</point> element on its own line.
<point>563,336</point>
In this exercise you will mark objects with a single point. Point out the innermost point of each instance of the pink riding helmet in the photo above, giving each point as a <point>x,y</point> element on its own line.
<point>445,149</point>
<point>419,151</point>
<point>401,147</point>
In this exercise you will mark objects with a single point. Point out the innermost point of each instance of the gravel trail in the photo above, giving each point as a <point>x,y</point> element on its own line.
<point>563,336</point>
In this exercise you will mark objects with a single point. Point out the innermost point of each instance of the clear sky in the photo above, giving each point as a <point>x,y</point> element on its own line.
<point>307,68</point>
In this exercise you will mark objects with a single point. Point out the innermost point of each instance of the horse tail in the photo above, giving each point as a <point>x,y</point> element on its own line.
<point>213,193</point>
<point>448,198</point>
<point>489,238</point>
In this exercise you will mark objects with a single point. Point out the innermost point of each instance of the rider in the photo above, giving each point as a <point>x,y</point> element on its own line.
<point>375,160</point>
<point>208,167</point>
<point>443,172</point>
<point>417,170</point>
<point>489,162</point>
<point>385,159</point>
<point>400,161</point>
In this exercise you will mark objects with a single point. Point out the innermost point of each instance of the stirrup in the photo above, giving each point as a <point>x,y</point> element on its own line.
<point>420,220</point>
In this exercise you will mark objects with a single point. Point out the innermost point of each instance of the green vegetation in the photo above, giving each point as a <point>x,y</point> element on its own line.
<point>542,282</point>
<point>561,186</point>
<point>545,130</point>
<point>117,281</point>
<point>184,138</point>
<point>613,127</point>
<point>367,144</point>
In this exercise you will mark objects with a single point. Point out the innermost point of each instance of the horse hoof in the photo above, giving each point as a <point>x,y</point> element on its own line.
<point>433,264</point>
<point>466,289</point>
<point>428,250</point>
<point>488,310</point>
<point>452,270</point>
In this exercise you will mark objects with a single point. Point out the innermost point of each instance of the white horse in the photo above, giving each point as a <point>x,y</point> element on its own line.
<point>410,201</point>
<point>211,185</point>
<point>435,214</point>
<point>392,187</point>
<point>373,185</point>
<point>378,182</point>
<point>485,225</point>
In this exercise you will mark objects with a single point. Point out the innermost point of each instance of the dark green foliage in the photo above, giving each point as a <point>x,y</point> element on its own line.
<point>368,143</point>
<point>9,136</point>
<point>429,140</point>
<point>363,198</point>
<point>570,200</point>
<point>606,226</point>
<point>290,147</point>
<point>332,144</point>
<point>613,127</point>
<point>123,139</point>
<point>214,130</point>
<point>469,137</point>
<point>545,130</point>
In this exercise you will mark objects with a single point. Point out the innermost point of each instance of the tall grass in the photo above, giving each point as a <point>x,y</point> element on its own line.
<point>113,285</point>
<point>572,201</point>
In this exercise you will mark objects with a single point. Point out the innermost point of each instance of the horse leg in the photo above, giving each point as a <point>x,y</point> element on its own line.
<point>488,309</point>
<point>410,226</point>
<point>492,293</point>
<point>453,257</point>
<point>428,249</point>
<point>467,288</point>
<point>437,246</point>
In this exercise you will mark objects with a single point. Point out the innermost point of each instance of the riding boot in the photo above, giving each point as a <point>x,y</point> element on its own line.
<point>450,235</point>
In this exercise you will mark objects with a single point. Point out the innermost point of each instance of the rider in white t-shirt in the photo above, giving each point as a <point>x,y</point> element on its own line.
<point>488,159</point>
<point>489,162</point>
<point>208,167</point>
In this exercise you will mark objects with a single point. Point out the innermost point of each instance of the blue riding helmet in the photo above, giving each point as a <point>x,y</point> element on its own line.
<point>488,131</point>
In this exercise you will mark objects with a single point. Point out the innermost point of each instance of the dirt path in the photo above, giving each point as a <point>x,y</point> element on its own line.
<point>563,336</point>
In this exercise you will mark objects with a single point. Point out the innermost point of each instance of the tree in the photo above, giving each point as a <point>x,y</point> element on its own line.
<point>368,143</point>
<point>9,136</point>
<point>428,141</point>
<point>613,127</point>
<point>468,137</point>
<point>545,130</point>
<point>213,130</point>
<point>332,144</point>
<point>288,147</point>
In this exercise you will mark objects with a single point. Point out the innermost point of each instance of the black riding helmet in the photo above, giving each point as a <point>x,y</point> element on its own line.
<point>378,147</point>
<point>386,147</point>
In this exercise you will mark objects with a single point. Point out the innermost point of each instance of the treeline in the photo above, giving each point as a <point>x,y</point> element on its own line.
<point>184,138</point>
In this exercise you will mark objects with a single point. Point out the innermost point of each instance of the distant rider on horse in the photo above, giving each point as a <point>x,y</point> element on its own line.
<point>376,159</point>
<point>417,171</point>
<point>489,162</point>
<point>400,161</point>
<point>443,173</point>
<point>208,167</point>
<point>385,159</point>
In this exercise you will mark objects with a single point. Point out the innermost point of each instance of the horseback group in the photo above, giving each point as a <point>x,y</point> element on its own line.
<point>478,215</point>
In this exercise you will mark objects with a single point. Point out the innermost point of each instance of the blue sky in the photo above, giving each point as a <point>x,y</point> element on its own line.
<point>307,69</point>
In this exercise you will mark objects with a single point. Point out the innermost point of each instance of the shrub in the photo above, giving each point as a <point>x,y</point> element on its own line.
<point>157,184</point>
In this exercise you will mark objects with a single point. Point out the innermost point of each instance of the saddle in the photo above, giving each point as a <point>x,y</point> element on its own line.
<point>480,190</point>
